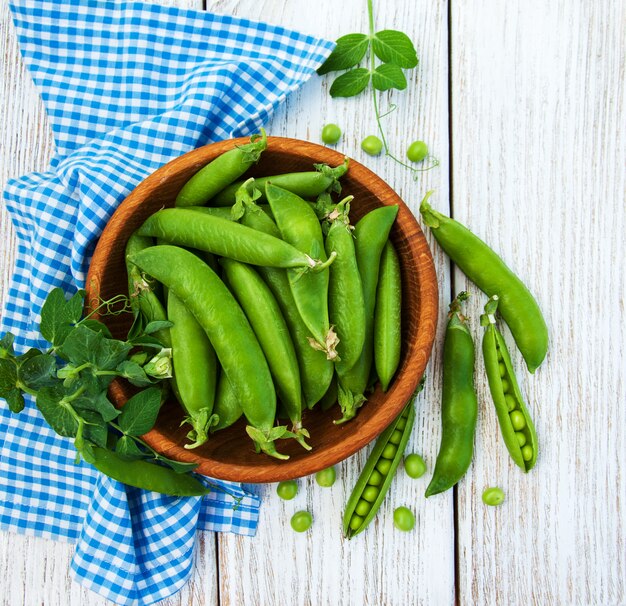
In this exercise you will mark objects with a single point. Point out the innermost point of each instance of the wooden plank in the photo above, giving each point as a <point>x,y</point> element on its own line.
<point>37,570</point>
<point>381,566</point>
<point>538,171</point>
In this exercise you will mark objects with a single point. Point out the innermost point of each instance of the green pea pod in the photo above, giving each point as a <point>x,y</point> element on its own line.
<point>142,474</point>
<point>299,226</point>
<point>371,234</point>
<point>305,184</point>
<point>515,422</point>
<point>316,371</point>
<point>459,405</point>
<point>330,397</point>
<point>346,306</point>
<point>144,301</point>
<point>222,171</point>
<point>487,270</point>
<point>195,370</point>
<point>227,407</point>
<point>237,348</point>
<point>380,467</point>
<point>185,227</point>
<point>387,316</point>
<point>270,328</point>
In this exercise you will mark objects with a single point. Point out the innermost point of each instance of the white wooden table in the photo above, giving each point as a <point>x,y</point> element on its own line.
<point>523,105</point>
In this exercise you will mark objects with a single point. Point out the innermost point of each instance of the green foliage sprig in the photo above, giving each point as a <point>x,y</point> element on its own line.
<point>387,54</point>
<point>70,380</point>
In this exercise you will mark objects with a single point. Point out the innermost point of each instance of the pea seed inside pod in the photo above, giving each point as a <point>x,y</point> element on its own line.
<point>363,507</point>
<point>396,436</point>
<point>389,452</point>
<point>515,422</point>
<point>377,475</point>
<point>370,493</point>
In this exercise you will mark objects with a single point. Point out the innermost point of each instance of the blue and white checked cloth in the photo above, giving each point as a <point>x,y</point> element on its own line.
<point>127,86</point>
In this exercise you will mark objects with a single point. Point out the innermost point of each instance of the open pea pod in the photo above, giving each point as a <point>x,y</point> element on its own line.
<point>515,422</point>
<point>380,467</point>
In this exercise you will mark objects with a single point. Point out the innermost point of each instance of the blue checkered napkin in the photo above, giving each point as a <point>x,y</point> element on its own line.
<point>127,87</point>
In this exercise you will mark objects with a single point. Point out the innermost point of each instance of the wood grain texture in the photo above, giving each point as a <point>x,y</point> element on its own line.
<point>538,171</point>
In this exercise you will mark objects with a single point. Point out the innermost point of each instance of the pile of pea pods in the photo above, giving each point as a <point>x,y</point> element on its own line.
<point>276,302</point>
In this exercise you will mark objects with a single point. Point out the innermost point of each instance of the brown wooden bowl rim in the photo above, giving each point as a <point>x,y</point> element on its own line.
<point>268,469</point>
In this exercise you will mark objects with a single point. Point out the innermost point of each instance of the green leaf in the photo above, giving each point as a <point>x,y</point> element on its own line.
<point>157,325</point>
<point>394,47</point>
<point>38,371</point>
<point>97,326</point>
<point>127,446</point>
<point>140,412</point>
<point>6,345</point>
<point>148,341</point>
<point>176,465</point>
<point>351,83</point>
<point>134,373</point>
<point>56,412</point>
<point>388,76</point>
<point>8,376</point>
<point>95,430</point>
<point>349,51</point>
<point>15,400</point>
<point>75,306</point>
<point>85,345</point>
<point>57,317</point>
<point>99,403</point>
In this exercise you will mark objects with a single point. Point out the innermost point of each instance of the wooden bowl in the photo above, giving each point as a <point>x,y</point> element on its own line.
<point>229,454</point>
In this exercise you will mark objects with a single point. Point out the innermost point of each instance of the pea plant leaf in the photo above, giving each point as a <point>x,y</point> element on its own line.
<point>37,371</point>
<point>176,465</point>
<point>157,325</point>
<point>127,446</point>
<point>95,429</point>
<point>351,83</point>
<point>56,412</point>
<point>388,76</point>
<point>98,403</point>
<point>348,52</point>
<point>395,47</point>
<point>134,373</point>
<point>97,326</point>
<point>57,317</point>
<point>140,412</point>
<point>6,345</point>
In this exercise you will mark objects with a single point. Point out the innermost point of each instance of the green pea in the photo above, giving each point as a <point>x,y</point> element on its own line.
<point>326,477</point>
<point>527,452</point>
<point>355,522</point>
<point>401,424</point>
<point>505,386</point>
<point>376,478</point>
<point>502,369</point>
<point>372,145</point>
<point>384,465</point>
<point>301,521</point>
<point>363,507</point>
<point>511,403</point>
<point>396,436</point>
<point>370,493</point>
<point>287,490</point>
<point>521,438</point>
<point>493,496</point>
<point>414,466</point>
<point>517,420</point>
<point>417,151</point>
<point>403,519</point>
<point>331,134</point>
<point>389,452</point>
